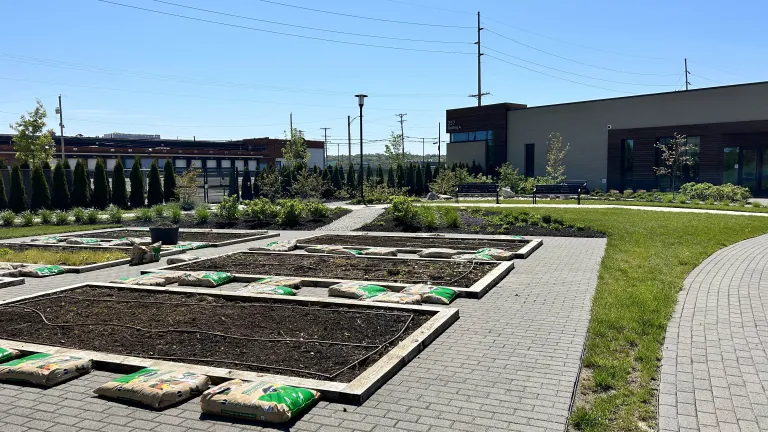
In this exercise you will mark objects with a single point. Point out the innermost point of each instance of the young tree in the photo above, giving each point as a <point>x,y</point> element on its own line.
<point>286,179</point>
<point>247,188</point>
<point>394,149</point>
<point>33,144</point>
<point>379,176</point>
<point>295,151</point>
<point>675,156</point>
<point>80,197</point>
<point>368,174</point>
<point>427,178</point>
<point>436,172</point>
<point>137,184</point>
<point>256,187</point>
<point>48,173</point>
<point>390,177</point>
<point>68,175</point>
<point>409,179</point>
<point>41,195</point>
<point>100,197</point>
<point>351,183</point>
<point>169,182</point>
<point>18,199</point>
<point>555,157</point>
<point>400,180</point>
<point>233,189</point>
<point>336,178</point>
<point>60,197</point>
<point>418,182</point>
<point>154,185</point>
<point>3,199</point>
<point>119,191</point>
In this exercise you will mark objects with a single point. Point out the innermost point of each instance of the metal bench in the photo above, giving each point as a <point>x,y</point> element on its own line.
<point>560,189</point>
<point>476,189</point>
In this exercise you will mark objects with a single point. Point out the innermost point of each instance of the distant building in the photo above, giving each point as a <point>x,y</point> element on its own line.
<point>131,136</point>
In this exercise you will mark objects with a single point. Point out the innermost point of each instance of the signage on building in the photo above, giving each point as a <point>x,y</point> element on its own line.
<point>452,126</point>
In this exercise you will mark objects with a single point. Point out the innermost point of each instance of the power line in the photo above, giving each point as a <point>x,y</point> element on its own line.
<point>577,61</point>
<point>430,7</point>
<point>363,17</point>
<point>278,32</point>
<point>708,79</point>
<point>308,28</point>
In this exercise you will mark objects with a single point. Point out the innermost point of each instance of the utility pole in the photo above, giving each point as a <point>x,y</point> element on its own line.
<point>61,126</point>
<point>480,93</point>
<point>402,134</point>
<point>687,83</point>
<point>325,146</point>
<point>349,137</point>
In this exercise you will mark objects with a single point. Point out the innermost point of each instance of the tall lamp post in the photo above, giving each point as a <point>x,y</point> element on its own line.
<point>360,103</point>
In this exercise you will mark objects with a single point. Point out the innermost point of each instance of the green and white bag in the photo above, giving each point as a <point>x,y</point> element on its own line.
<point>262,401</point>
<point>157,388</point>
<point>380,251</point>
<point>82,241</point>
<point>288,281</point>
<point>397,298</point>
<point>45,369</point>
<point>259,288</point>
<point>7,354</point>
<point>170,276</point>
<point>496,254</point>
<point>205,279</point>
<point>178,259</point>
<point>50,240</point>
<point>356,290</point>
<point>145,254</point>
<point>277,246</point>
<point>437,253</point>
<point>472,257</point>
<point>431,294</point>
<point>143,280</point>
<point>191,245</point>
<point>36,270</point>
<point>120,242</point>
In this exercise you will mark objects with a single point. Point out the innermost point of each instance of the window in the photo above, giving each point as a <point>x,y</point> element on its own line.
<point>472,136</point>
<point>128,163</point>
<point>146,163</point>
<point>197,163</point>
<point>210,163</point>
<point>252,165</point>
<point>530,151</point>
<point>239,164</point>
<point>731,165</point>
<point>226,163</point>
<point>627,163</point>
<point>111,164</point>
<point>688,172</point>
<point>91,164</point>
<point>180,163</point>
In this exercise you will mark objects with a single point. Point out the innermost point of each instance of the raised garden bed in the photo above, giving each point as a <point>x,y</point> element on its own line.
<point>415,243</point>
<point>343,348</point>
<point>215,238</point>
<point>73,258</point>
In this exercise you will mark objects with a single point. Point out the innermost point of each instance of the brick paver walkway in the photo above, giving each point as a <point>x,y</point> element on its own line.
<point>509,363</point>
<point>714,374</point>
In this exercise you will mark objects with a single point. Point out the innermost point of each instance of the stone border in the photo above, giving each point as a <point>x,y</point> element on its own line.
<point>523,253</point>
<point>9,281</point>
<point>357,391</point>
<point>254,235</point>
<point>476,291</point>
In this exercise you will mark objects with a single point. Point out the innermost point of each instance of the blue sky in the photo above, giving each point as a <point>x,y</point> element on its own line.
<point>127,70</point>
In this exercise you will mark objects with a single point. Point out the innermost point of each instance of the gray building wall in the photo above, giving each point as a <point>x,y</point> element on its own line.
<point>584,125</point>
<point>465,152</point>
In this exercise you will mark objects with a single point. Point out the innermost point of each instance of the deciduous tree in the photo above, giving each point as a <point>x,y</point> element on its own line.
<point>32,142</point>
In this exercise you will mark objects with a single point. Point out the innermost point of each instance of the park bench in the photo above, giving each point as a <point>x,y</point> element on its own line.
<point>478,189</point>
<point>569,188</point>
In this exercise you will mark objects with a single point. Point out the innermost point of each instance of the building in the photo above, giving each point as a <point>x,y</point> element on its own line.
<point>612,141</point>
<point>213,155</point>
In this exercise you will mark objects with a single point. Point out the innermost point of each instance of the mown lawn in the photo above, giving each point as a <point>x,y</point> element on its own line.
<point>648,256</point>
<point>527,202</point>
<point>54,256</point>
<point>41,230</point>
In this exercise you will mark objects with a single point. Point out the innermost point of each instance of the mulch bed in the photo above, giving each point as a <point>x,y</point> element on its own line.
<point>207,237</point>
<point>416,242</point>
<point>460,274</point>
<point>228,324</point>
<point>305,224</point>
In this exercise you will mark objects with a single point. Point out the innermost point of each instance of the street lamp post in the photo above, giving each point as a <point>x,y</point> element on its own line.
<point>360,103</point>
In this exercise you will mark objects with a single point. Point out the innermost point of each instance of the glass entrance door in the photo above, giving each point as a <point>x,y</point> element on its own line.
<point>749,178</point>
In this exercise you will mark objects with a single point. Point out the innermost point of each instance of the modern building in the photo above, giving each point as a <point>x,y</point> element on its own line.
<point>212,155</point>
<point>613,141</point>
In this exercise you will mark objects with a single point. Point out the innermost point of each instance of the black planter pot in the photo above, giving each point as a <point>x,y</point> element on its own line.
<point>168,236</point>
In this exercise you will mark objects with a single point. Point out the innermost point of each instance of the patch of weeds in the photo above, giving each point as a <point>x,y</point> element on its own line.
<point>115,214</point>
<point>46,217</point>
<point>92,216</point>
<point>158,210</point>
<point>202,214</point>
<point>27,218</point>
<point>144,214</point>
<point>78,214</point>
<point>61,218</point>
<point>8,217</point>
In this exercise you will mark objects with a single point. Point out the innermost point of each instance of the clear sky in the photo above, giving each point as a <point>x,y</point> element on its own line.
<point>121,69</point>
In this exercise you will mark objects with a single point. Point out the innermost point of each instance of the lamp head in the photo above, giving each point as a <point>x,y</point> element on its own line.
<point>361,99</point>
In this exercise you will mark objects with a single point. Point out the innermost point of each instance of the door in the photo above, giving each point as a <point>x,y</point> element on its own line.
<point>749,169</point>
<point>530,150</point>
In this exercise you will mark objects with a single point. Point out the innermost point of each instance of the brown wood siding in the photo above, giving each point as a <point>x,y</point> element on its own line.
<point>714,137</point>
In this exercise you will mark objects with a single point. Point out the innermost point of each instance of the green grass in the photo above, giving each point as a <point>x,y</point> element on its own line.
<point>646,260</point>
<point>52,256</point>
<point>748,208</point>
<point>41,230</point>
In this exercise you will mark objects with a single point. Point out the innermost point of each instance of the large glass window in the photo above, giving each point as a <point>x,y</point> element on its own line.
<point>627,163</point>
<point>731,165</point>
<point>472,136</point>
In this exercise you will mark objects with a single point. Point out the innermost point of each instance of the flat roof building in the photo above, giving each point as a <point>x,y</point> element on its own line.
<point>612,141</point>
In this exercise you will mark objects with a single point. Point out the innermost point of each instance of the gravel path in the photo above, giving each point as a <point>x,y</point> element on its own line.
<point>354,220</point>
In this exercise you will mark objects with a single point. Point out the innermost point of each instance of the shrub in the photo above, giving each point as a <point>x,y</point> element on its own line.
<point>78,214</point>
<point>418,182</point>
<point>451,217</point>
<point>351,182</point>
<point>41,196</point>
<point>186,189</point>
<point>681,199</point>
<point>233,186</point>
<point>317,210</point>
<point>46,216</point>
<point>61,218</point>
<point>260,209</point>
<point>202,214</point>
<point>115,214</point>
<point>137,184</point>
<point>667,198</point>
<point>403,211</point>
<point>509,177</point>
<point>144,214</point>
<point>3,199</point>
<point>756,204</point>
<point>709,201</point>
<point>628,193</point>
<point>80,197</point>
<point>8,217</point>
<point>100,198</point>
<point>290,212</point>
<point>92,216</point>
<point>158,210</point>
<point>270,184</point>
<point>229,209</point>
<point>18,199</point>
<point>27,218</point>
<point>427,216</point>
<point>68,175</point>
<point>154,185</point>
<point>705,191</point>
<point>119,191</point>
<point>307,185</point>
<point>597,192</point>
<point>169,182</point>
<point>247,188</point>
<point>175,213</point>
<point>378,194</point>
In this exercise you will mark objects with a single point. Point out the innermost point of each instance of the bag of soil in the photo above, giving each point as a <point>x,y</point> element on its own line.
<point>170,276</point>
<point>145,254</point>
<point>472,257</point>
<point>121,242</point>
<point>141,241</point>
<point>277,246</point>
<point>178,259</point>
<point>143,280</point>
<point>82,241</point>
<point>49,240</point>
<point>7,354</point>
<point>431,294</point>
<point>157,388</point>
<point>356,290</point>
<point>259,288</point>
<point>496,254</point>
<point>7,267</point>
<point>205,279</point>
<point>263,401</point>
<point>437,253</point>
<point>398,298</point>
<point>36,270</point>
<point>326,249</point>
<point>380,251</point>
<point>45,369</point>
<point>288,281</point>
<point>190,245</point>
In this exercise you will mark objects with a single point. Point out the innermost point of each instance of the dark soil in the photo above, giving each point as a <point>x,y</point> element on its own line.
<point>298,323</point>
<point>416,243</point>
<point>461,274</point>
<point>480,223</point>
<point>305,224</point>
<point>207,237</point>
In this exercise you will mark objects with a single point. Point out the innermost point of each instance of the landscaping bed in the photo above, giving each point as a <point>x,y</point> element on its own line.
<point>415,242</point>
<point>329,342</point>
<point>60,255</point>
<point>188,236</point>
<point>461,274</point>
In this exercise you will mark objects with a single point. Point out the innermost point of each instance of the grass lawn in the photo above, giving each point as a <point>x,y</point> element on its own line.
<point>648,256</point>
<point>53,256</point>
<point>527,202</point>
<point>41,230</point>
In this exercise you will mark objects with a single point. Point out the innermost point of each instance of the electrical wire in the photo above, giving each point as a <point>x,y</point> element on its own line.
<point>708,79</point>
<point>281,33</point>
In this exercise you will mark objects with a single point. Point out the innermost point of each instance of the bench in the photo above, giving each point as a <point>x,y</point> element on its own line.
<point>478,189</point>
<point>560,189</point>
